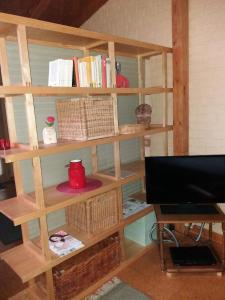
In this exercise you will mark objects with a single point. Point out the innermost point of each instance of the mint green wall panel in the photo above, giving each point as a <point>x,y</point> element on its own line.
<point>139,230</point>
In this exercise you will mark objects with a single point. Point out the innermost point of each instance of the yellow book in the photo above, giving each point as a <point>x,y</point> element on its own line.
<point>88,64</point>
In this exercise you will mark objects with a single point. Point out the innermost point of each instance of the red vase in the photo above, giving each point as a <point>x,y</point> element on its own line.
<point>76,174</point>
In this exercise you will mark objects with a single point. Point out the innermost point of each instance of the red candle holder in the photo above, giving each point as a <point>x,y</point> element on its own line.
<point>76,173</point>
<point>4,144</point>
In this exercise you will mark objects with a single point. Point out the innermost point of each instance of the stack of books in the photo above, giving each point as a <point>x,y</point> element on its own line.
<point>89,71</point>
<point>62,243</point>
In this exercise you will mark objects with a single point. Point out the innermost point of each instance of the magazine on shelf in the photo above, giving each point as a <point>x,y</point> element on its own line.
<point>131,206</point>
<point>62,243</point>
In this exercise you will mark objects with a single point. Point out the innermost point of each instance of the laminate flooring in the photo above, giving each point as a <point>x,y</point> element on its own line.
<point>146,276</point>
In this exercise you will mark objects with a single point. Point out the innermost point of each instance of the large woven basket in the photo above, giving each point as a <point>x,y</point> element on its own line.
<point>95,214</point>
<point>85,118</point>
<point>79,272</point>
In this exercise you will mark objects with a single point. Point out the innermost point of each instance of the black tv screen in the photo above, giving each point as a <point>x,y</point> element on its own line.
<point>185,179</point>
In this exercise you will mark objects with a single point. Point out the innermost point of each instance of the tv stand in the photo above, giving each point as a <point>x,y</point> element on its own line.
<point>167,264</point>
<point>189,209</point>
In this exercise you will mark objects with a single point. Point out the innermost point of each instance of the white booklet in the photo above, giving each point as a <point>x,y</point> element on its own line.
<point>63,243</point>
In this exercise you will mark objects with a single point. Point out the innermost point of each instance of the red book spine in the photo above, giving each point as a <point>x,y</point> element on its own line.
<point>104,85</point>
<point>76,72</point>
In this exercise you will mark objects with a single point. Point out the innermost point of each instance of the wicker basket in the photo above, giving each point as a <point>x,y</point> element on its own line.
<point>79,272</point>
<point>85,118</point>
<point>95,214</point>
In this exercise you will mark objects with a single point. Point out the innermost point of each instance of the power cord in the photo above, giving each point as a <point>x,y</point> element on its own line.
<point>169,232</point>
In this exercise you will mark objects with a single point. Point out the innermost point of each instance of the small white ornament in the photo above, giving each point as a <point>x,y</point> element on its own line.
<point>49,135</point>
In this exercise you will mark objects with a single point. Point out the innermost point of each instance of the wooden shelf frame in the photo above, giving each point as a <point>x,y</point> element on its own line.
<point>23,209</point>
<point>32,250</point>
<point>69,91</point>
<point>33,258</point>
<point>50,34</point>
<point>22,151</point>
<point>133,251</point>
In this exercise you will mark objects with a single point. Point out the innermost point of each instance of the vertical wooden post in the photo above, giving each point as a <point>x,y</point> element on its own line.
<point>141,80</point>
<point>111,49</point>
<point>94,157</point>
<point>37,174</point>
<point>12,127</point>
<point>165,101</point>
<point>180,76</point>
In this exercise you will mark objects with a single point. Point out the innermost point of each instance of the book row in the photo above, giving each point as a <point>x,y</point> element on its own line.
<point>89,71</point>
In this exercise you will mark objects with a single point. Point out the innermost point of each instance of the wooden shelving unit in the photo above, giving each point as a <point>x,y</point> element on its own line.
<point>33,257</point>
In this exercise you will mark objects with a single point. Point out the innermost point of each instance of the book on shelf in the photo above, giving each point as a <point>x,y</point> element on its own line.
<point>131,206</point>
<point>76,81</point>
<point>62,243</point>
<point>104,84</point>
<point>88,71</point>
<point>60,72</point>
<point>108,73</point>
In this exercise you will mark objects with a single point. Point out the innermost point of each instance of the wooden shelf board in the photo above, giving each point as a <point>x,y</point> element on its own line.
<point>25,262</point>
<point>189,218</point>
<point>19,209</point>
<point>89,240</point>
<point>67,91</point>
<point>137,215</point>
<point>16,154</point>
<point>47,33</point>
<point>171,268</point>
<point>22,209</point>
<point>136,167</point>
<point>141,196</point>
<point>55,200</point>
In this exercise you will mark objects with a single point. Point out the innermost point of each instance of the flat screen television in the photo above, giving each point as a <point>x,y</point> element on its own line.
<point>185,180</point>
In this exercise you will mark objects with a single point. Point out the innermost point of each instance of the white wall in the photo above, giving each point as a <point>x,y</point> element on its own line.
<point>146,20</point>
<point>150,21</point>
<point>207,76</point>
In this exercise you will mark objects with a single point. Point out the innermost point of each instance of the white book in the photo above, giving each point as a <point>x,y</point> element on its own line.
<point>98,59</point>
<point>60,72</point>
<point>108,73</point>
<point>54,72</point>
<point>68,73</point>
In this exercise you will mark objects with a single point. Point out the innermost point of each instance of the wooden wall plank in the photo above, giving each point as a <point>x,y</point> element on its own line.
<point>180,76</point>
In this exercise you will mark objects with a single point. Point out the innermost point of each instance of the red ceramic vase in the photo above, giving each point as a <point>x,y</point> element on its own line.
<point>76,174</point>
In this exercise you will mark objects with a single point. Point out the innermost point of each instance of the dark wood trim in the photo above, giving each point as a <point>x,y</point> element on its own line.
<point>180,76</point>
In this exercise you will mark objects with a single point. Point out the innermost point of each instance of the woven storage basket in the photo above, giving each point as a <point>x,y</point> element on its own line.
<point>85,118</point>
<point>95,214</point>
<point>79,272</point>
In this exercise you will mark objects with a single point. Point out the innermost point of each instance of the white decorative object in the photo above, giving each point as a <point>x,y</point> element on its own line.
<point>49,133</point>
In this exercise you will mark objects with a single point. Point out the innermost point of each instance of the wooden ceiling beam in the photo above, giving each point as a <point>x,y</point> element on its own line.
<point>66,12</point>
